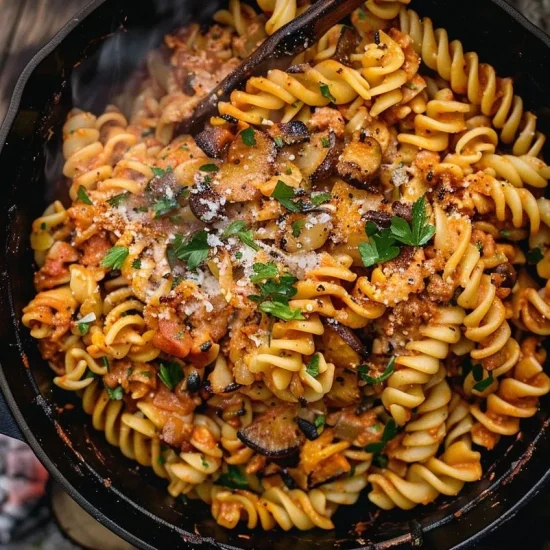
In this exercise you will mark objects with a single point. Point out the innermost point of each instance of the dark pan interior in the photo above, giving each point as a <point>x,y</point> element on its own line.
<point>85,68</point>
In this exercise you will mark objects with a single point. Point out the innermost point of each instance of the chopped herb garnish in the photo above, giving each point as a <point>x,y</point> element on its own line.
<point>410,86</point>
<point>136,264</point>
<point>239,229</point>
<point>390,431</point>
<point>105,362</point>
<point>282,311</point>
<point>141,209</point>
<point>83,328</point>
<point>380,460</point>
<point>117,200</point>
<point>364,369</point>
<point>320,198</point>
<point>352,471</point>
<point>288,171</point>
<point>164,205</point>
<point>204,462</point>
<point>325,142</point>
<point>482,385</point>
<point>130,371</point>
<point>361,14</point>
<point>146,373</point>
<point>83,196</point>
<point>83,324</point>
<point>325,92</point>
<point>297,228</point>
<point>264,272</point>
<point>420,232</point>
<point>115,394</point>
<point>193,251</point>
<point>43,226</point>
<point>170,374</point>
<point>233,478</point>
<point>479,246</point>
<point>319,421</point>
<point>278,142</point>
<point>208,168</point>
<point>115,257</point>
<point>535,255</point>
<point>312,368</point>
<point>238,255</point>
<point>161,459</point>
<point>90,374</point>
<point>506,233</point>
<point>380,249</point>
<point>284,194</point>
<point>159,172</point>
<point>274,295</point>
<point>477,372</point>
<point>248,137</point>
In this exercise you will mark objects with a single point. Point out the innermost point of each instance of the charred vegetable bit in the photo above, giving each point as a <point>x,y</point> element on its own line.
<point>214,141</point>
<point>289,133</point>
<point>318,157</point>
<point>206,204</point>
<point>360,162</point>
<point>349,337</point>
<point>308,429</point>
<point>274,434</point>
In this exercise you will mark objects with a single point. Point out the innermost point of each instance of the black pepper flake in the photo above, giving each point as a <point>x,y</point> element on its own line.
<point>430,176</point>
<point>206,346</point>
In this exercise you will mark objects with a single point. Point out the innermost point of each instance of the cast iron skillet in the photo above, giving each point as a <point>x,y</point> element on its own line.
<point>82,65</point>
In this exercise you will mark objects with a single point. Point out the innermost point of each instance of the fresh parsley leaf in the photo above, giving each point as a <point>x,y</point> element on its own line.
<point>117,200</point>
<point>83,328</point>
<point>208,168</point>
<point>477,372</point>
<point>278,142</point>
<point>371,229</point>
<point>136,264</point>
<point>325,142</point>
<point>420,232</point>
<point>159,172</point>
<point>263,272</point>
<point>115,394</point>
<point>297,228</point>
<point>312,368</point>
<point>535,255</point>
<point>380,460</point>
<point>240,230</point>
<point>482,385</point>
<point>390,431</point>
<point>170,374</point>
<point>115,257</point>
<point>284,194</point>
<point>164,205</point>
<point>90,374</point>
<point>325,92</point>
<point>233,478</point>
<point>83,196</point>
<point>193,251</point>
<point>281,311</point>
<point>320,198</point>
<point>248,137</point>
<point>238,255</point>
<point>380,249</point>
<point>364,369</point>
<point>319,421</point>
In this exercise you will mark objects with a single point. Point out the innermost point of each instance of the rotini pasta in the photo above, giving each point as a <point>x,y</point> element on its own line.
<point>324,292</point>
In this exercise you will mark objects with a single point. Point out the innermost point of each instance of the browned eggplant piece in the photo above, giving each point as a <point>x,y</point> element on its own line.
<point>349,337</point>
<point>360,162</point>
<point>358,429</point>
<point>207,205</point>
<point>164,185</point>
<point>505,275</point>
<point>328,470</point>
<point>317,158</point>
<point>214,141</point>
<point>289,133</point>
<point>344,391</point>
<point>246,167</point>
<point>274,434</point>
<point>347,44</point>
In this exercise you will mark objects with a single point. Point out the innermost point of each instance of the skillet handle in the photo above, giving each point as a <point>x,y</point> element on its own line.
<point>8,425</point>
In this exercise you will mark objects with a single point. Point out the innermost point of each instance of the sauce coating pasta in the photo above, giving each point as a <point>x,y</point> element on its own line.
<point>340,285</point>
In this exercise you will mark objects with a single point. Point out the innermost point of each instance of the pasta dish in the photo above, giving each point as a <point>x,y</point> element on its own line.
<point>339,285</point>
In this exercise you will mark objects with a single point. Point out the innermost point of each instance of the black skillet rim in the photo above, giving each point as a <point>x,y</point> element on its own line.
<point>4,386</point>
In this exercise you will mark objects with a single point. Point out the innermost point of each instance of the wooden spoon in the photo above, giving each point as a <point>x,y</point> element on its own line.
<point>276,52</point>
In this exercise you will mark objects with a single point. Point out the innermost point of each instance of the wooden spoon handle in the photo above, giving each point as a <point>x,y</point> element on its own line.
<point>274,53</point>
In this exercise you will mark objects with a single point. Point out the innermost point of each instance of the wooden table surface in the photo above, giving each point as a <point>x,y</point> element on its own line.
<point>25,26</point>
